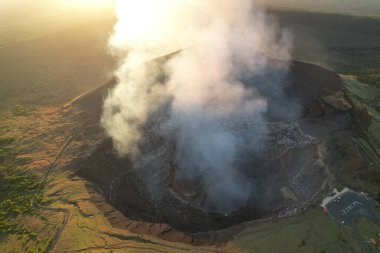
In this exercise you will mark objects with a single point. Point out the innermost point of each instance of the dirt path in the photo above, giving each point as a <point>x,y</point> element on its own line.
<point>59,155</point>
<point>66,213</point>
<point>106,249</point>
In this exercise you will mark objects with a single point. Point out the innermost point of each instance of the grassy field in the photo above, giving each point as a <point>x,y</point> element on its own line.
<point>313,231</point>
<point>368,97</point>
<point>347,44</point>
<point>57,214</point>
<point>21,196</point>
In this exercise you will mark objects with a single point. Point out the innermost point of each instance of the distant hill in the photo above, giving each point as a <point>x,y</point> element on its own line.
<point>56,67</point>
<point>371,7</point>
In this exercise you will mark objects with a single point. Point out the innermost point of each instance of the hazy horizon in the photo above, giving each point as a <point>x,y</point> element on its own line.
<point>23,20</point>
<point>363,7</point>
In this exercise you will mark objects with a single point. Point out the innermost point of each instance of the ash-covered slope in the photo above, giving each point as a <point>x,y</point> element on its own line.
<point>297,166</point>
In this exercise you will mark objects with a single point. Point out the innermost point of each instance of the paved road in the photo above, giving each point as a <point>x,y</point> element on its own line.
<point>349,206</point>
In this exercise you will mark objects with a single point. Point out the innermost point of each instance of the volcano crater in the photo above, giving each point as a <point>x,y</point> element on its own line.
<point>294,169</point>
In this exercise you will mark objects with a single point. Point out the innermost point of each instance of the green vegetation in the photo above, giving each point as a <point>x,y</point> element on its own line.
<point>365,74</point>
<point>312,231</point>
<point>369,75</point>
<point>21,193</point>
<point>363,63</point>
<point>367,97</point>
<point>22,110</point>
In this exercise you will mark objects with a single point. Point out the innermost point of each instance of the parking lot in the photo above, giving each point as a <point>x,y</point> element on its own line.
<point>349,205</point>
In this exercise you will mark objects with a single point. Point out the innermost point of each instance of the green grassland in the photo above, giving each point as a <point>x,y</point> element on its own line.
<point>312,231</point>
<point>368,97</point>
<point>347,44</point>
<point>21,195</point>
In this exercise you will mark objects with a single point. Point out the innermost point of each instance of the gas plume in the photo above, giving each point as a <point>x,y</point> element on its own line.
<point>218,44</point>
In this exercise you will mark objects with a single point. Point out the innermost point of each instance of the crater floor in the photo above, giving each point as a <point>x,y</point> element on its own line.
<point>298,166</point>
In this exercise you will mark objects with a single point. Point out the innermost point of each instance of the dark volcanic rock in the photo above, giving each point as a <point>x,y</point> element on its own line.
<point>293,172</point>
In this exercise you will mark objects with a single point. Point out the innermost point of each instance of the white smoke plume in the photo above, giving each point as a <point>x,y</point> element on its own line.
<point>222,41</point>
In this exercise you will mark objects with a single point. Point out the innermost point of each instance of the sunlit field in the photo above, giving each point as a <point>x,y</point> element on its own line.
<point>23,20</point>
